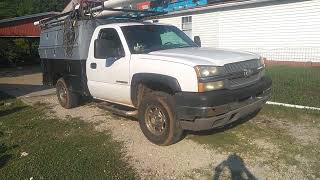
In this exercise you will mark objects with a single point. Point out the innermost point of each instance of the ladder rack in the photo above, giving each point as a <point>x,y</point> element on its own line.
<point>98,12</point>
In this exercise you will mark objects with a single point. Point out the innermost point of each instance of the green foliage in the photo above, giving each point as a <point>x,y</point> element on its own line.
<point>13,8</point>
<point>13,51</point>
<point>7,9</point>
<point>17,51</point>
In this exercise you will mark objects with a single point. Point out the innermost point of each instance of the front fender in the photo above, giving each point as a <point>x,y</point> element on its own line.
<point>152,78</point>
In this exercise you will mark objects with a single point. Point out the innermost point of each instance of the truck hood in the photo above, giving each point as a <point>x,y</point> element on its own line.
<point>202,56</point>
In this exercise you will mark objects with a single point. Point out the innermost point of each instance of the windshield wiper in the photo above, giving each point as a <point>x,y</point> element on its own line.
<point>146,51</point>
<point>185,46</point>
<point>159,48</point>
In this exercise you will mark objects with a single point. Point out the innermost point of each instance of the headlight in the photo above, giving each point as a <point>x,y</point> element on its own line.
<point>210,86</point>
<point>207,71</point>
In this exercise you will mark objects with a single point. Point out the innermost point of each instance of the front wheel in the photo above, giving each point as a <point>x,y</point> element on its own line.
<point>67,98</point>
<point>157,119</point>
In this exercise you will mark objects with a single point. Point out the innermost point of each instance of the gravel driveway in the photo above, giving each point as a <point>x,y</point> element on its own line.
<point>186,159</point>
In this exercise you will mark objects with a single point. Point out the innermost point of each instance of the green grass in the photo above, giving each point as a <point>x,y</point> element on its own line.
<point>295,115</point>
<point>283,146</point>
<point>57,149</point>
<point>295,85</point>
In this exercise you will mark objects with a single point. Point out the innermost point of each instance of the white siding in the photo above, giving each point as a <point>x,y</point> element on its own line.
<point>279,32</point>
<point>206,26</point>
<point>177,21</point>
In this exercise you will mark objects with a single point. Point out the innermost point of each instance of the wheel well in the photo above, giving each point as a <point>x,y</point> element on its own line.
<point>148,87</point>
<point>55,78</point>
<point>156,86</point>
<point>143,83</point>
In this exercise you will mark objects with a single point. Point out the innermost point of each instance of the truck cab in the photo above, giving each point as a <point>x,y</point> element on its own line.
<point>157,74</point>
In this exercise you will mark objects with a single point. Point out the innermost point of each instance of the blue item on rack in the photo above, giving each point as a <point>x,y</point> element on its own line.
<point>173,5</point>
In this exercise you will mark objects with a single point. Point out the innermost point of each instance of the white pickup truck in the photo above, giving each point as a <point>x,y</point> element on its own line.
<point>156,73</point>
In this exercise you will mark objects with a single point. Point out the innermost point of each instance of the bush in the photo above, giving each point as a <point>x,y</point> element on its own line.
<point>18,51</point>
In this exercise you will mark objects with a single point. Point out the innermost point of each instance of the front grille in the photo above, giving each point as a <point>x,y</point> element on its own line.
<point>240,66</point>
<point>240,82</point>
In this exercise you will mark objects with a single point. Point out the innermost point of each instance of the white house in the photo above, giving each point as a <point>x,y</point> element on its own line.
<point>280,30</point>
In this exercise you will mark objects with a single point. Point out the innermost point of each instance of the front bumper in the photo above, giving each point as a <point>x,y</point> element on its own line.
<point>203,111</point>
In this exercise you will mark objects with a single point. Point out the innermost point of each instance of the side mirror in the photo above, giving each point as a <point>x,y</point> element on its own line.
<point>197,40</point>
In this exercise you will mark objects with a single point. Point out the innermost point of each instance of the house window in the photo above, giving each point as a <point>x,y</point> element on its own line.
<point>187,25</point>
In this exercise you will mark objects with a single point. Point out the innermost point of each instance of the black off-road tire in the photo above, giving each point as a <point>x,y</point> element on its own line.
<point>173,131</point>
<point>70,99</point>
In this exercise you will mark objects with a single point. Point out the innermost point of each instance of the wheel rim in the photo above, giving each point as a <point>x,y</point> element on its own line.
<point>62,93</point>
<point>156,120</point>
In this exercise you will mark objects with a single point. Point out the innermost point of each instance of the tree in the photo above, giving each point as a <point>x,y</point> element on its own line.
<point>7,9</point>
<point>14,50</point>
<point>13,8</point>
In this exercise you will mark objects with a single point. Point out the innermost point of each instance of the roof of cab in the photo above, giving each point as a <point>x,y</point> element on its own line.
<point>137,24</point>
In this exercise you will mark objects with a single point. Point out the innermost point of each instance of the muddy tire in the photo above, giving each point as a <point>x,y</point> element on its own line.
<point>67,99</point>
<point>157,119</point>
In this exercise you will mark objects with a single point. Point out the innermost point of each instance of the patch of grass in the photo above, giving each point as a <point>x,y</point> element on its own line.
<point>289,145</point>
<point>33,145</point>
<point>294,114</point>
<point>231,140</point>
<point>238,139</point>
<point>280,147</point>
<point>295,85</point>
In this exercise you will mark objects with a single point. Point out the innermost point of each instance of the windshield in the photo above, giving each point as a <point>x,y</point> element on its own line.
<point>146,38</point>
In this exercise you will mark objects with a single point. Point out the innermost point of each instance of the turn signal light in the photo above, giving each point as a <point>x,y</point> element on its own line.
<point>210,86</point>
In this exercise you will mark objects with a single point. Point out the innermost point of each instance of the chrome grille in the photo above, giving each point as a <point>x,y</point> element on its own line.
<point>240,66</point>
<point>240,82</point>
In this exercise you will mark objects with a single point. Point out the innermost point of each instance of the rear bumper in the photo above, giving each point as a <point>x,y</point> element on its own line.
<point>203,111</point>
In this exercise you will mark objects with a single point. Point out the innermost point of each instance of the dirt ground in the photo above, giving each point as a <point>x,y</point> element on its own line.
<point>238,157</point>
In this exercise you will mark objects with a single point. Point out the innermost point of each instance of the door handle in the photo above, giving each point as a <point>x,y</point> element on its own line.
<point>93,65</point>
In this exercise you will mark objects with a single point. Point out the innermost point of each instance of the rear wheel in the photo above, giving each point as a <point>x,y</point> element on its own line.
<point>67,98</point>
<point>157,119</point>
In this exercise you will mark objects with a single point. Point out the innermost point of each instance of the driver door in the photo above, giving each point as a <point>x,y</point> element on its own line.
<point>108,70</point>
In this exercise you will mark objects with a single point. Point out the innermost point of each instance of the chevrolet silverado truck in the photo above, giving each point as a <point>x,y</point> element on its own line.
<point>153,72</point>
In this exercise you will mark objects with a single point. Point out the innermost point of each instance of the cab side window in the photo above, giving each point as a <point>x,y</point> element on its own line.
<point>108,45</point>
